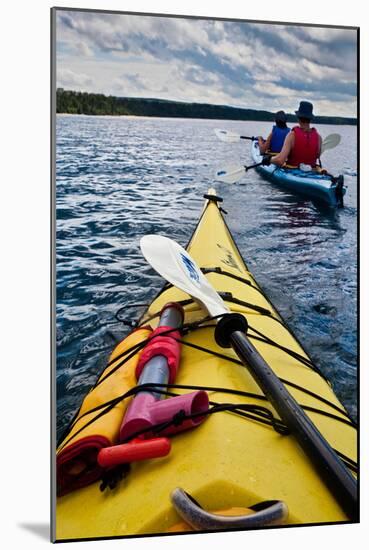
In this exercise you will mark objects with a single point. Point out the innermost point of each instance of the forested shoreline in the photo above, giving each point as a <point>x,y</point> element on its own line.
<point>83,103</point>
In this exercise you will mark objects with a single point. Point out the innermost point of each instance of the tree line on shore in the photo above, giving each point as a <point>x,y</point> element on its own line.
<point>83,103</point>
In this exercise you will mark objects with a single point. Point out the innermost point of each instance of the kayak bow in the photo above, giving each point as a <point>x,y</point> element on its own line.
<point>240,458</point>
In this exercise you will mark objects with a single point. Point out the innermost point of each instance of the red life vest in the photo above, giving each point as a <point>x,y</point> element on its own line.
<point>306,147</point>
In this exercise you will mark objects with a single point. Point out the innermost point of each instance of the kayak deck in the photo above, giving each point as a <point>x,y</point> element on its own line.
<point>229,460</point>
<point>310,184</point>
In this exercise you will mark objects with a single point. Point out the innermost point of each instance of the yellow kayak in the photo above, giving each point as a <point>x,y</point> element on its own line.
<point>236,459</point>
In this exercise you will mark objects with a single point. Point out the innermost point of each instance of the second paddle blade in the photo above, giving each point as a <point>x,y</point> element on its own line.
<point>226,136</point>
<point>230,173</point>
<point>330,142</point>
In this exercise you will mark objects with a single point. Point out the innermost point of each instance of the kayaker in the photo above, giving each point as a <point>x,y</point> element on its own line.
<point>275,140</point>
<point>302,145</point>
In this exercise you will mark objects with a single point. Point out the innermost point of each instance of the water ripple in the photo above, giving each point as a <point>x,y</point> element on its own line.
<point>121,178</point>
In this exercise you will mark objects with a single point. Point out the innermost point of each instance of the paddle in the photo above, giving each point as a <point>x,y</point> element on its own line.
<point>330,142</point>
<point>233,172</point>
<point>173,263</point>
<point>230,137</point>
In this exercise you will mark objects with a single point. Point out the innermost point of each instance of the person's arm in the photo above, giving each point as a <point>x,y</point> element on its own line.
<point>264,145</point>
<point>281,158</point>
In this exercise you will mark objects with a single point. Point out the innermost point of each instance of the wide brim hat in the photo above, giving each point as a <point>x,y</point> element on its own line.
<point>305,110</point>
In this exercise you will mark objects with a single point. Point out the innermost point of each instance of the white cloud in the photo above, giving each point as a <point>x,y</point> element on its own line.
<point>249,65</point>
<point>83,49</point>
<point>70,79</point>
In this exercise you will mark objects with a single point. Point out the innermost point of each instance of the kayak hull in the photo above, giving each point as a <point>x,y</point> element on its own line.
<point>309,184</point>
<point>229,461</point>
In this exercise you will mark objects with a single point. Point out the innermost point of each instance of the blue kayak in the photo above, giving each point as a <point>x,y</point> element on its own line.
<point>323,188</point>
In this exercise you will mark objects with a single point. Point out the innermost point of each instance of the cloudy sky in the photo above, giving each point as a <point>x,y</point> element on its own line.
<point>261,66</point>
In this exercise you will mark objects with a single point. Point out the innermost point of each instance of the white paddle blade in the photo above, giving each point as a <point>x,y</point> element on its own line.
<point>330,142</point>
<point>226,136</point>
<point>230,174</point>
<point>177,267</point>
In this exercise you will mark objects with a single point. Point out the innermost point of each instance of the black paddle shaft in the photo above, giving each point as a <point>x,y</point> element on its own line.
<point>253,166</point>
<point>335,474</point>
<point>231,331</point>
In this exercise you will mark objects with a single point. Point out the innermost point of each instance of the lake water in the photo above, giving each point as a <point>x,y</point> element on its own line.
<point>121,178</point>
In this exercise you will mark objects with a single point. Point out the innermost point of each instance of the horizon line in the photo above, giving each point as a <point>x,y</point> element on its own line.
<point>227,106</point>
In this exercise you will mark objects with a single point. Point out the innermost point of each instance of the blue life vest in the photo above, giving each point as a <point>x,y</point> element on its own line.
<point>278,137</point>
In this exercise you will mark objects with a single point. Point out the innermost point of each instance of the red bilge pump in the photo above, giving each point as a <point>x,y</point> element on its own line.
<point>159,363</point>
